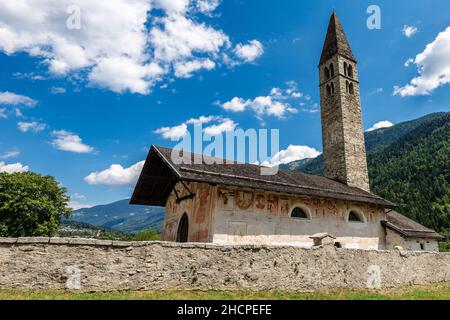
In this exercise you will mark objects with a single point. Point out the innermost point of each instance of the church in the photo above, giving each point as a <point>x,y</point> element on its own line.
<point>233,203</point>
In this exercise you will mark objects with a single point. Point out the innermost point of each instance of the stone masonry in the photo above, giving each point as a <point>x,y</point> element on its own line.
<point>90,265</point>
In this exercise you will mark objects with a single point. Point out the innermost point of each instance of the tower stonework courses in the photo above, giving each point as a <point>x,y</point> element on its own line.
<point>342,132</point>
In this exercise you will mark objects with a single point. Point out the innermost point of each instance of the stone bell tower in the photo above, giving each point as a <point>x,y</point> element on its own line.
<point>342,132</point>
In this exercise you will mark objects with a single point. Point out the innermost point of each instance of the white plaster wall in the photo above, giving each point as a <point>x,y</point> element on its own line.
<point>234,225</point>
<point>394,239</point>
<point>429,245</point>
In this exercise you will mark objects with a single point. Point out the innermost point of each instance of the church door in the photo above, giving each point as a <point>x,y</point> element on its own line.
<point>183,229</point>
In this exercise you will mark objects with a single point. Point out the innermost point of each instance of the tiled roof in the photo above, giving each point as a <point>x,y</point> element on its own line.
<point>157,180</point>
<point>336,41</point>
<point>408,227</point>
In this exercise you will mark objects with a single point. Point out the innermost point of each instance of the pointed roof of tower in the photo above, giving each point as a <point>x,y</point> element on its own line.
<point>336,42</point>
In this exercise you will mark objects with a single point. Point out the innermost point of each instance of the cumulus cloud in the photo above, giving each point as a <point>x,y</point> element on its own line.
<point>3,113</point>
<point>68,141</point>
<point>121,45</point>
<point>380,125</point>
<point>13,168</point>
<point>13,99</point>
<point>225,125</point>
<point>294,153</point>
<point>31,126</point>
<point>186,69</point>
<point>116,175</point>
<point>220,125</point>
<point>207,6</point>
<point>173,133</point>
<point>276,104</point>
<point>433,68</point>
<point>409,31</point>
<point>271,105</point>
<point>249,52</point>
<point>10,154</point>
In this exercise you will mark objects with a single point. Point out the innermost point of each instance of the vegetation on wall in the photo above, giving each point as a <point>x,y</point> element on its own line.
<point>31,205</point>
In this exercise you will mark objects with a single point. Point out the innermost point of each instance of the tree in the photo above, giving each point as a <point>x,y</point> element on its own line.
<point>31,205</point>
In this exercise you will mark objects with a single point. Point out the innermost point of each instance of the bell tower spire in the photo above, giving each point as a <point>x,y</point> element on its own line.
<point>342,132</point>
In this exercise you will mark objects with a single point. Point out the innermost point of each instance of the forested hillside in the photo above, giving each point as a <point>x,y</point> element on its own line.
<point>409,164</point>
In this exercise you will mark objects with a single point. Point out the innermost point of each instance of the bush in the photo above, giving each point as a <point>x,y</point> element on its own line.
<point>147,235</point>
<point>31,205</point>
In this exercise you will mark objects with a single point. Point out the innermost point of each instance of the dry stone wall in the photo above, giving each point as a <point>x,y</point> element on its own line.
<point>91,265</point>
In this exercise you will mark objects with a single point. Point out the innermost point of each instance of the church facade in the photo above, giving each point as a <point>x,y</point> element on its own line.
<point>234,204</point>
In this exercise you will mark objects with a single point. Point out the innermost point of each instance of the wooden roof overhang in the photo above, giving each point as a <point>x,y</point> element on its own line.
<point>156,181</point>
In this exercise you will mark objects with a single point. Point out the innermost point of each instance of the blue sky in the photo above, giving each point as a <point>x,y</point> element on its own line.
<point>76,101</point>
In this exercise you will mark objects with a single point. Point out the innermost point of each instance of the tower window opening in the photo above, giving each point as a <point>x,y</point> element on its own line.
<point>332,88</point>
<point>328,90</point>
<point>345,68</point>
<point>351,89</point>
<point>331,70</point>
<point>327,73</point>
<point>350,71</point>
<point>346,87</point>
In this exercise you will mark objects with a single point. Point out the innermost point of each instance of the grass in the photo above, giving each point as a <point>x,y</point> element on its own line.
<point>429,292</point>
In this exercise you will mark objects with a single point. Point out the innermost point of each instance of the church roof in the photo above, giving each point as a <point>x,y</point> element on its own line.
<point>408,227</point>
<point>336,41</point>
<point>160,174</point>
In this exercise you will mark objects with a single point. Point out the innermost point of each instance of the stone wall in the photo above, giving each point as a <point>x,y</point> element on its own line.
<point>91,265</point>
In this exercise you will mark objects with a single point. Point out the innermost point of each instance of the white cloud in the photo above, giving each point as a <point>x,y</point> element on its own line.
<point>207,6</point>
<point>186,69</point>
<point>77,201</point>
<point>31,126</point>
<point>433,67</point>
<point>68,141</point>
<point>249,52</point>
<point>122,45</point>
<point>57,90</point>
<point>225,125</point>
<point>13,168</point>
<point>10,154</point>
<point>409,31</point>
<point>294,153</point>
<point>13,99</point>
<point>116,175</point>
<point>409,62</point>
<point>202,119</point>
<point>177,132</point>
<point>121,74</point>
<point>262,106</point>
<point>381,124</point>
<point>3,113</point>
<point>173,133</point>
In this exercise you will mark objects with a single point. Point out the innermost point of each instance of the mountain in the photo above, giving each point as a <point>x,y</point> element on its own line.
<point>121,216</point>
<point>375,140</point>
<point>409,164</point>
<point>73,229</point>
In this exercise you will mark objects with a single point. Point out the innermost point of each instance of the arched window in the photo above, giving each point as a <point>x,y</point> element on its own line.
<point>331,70</point>
<point>327,73</point>
<point>354,216</point>
<point>299,213</point>
<point>345,68</point>
<point>183,229</point>
<point>328,90</point>
<point>350,71</point>
<point>332,88</point>
<point>351,89</point>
